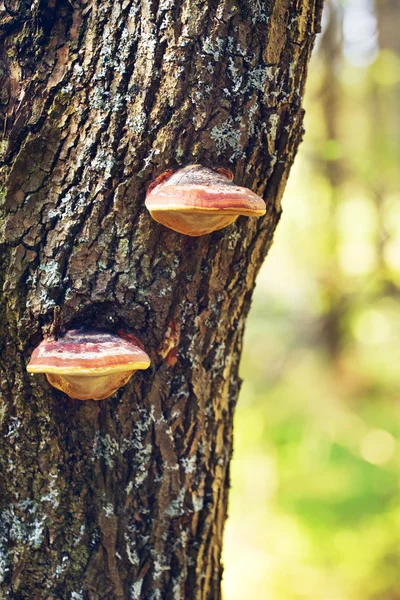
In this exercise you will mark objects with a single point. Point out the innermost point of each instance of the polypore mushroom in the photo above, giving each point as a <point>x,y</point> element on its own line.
<point>196,200</point>
<point>87,364</point>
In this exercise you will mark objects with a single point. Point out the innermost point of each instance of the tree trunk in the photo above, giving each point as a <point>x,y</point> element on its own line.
<point>126,498</point>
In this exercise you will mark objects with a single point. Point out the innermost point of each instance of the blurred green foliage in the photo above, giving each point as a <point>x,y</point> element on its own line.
<point>315,499</point>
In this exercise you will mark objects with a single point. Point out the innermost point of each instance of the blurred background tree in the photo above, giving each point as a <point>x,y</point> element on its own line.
<point>315,501</point>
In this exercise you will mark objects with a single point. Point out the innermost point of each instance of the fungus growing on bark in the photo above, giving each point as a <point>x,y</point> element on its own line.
<point>87,364</point>
<point>197,200</point>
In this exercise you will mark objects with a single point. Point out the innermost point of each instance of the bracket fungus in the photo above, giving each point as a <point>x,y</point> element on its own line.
<point>197,200</point>
<point>87,364</point>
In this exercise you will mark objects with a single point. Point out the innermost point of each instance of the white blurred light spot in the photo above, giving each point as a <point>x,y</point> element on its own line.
<point>378,447</point>
<point>371,327</point>
<point>392,254</point>
<point>357,257</point>
<point>247,571</point>
<point>360,32</point>
<point>360,210</point>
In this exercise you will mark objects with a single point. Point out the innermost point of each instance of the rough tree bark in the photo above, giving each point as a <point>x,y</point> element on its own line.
<point>127,498</point>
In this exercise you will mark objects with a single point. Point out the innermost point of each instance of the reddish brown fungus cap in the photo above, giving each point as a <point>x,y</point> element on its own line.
<point>199,189</point>
<point>89,353</point>
<point>196,200</point>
